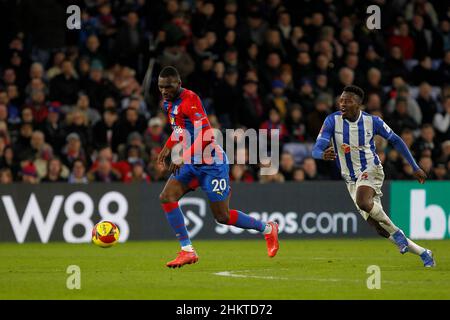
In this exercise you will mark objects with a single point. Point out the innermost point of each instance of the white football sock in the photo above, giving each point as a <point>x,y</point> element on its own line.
<point>415,248</point>
<point>378,214</point>
<point>188,248</point>
<point>267,229</point>
<point>412,246</point>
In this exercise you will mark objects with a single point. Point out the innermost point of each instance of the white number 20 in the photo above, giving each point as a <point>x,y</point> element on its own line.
<point>219,185</point>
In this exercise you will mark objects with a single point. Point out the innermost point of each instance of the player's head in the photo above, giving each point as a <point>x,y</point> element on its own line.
<point>350,102</point>
<point>169,82</point>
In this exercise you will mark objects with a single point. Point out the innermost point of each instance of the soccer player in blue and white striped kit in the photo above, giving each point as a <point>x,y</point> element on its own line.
<point>351,132</point>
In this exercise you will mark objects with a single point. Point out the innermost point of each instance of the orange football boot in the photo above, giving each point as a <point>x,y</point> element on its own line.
<point>272,240</point>
<point>183,257</point>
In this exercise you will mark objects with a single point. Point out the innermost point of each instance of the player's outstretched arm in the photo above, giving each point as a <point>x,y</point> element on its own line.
<point>402,148</point>
<point>383,130</point>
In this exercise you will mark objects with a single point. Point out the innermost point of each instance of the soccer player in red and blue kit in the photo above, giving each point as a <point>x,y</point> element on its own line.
<point>189,121</point>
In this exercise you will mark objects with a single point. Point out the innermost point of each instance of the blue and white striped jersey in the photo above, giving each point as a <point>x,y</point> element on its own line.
<point>354,141</point>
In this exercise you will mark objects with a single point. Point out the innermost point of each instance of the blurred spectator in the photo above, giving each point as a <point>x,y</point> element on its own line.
<point>78,173</point>
<point>104,172</point>
<point>105,131</point>
<point>132,122</point>
<point>316,118</point>
<point>129,41</point>
<point>56,67</point>
<point>299,175</point>
<point>137,173</point>
<point>423,72</point>
<point>9,161</point>
<point>54,171</point>
<point>425,145</point>
<point>277,98</point>
<point>252,109</point>
<point>440,171</point>
<point>22,146</point>
<point>77,122</point>
<point>305,96</point>
<point>295,124</point>
<point>97,87</point>
<point>83,105</point>
<point>275,123</point>
<point>428,106</point>
<point>65,86</point>
<point>37,107</point>
<point>53,128</point>
<point>29,173</point>
<point>175,56</point>
<point>287,166</point>
<point>403,40</point>
<point>240,173</point>
<point>13,111</point>
<point>154,136</point>
<point>441,121</point>
<point>426,163</point>
<point>413,108</point>
<point>6,176</point>
<point>310,169</point>
<point>395,64</point>
<point>400,119</point>
<point>73,150</point>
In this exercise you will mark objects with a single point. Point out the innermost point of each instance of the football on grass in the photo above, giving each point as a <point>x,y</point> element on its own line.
<point>105,234</point>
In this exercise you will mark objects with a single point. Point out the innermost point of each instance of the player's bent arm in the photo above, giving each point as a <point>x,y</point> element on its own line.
<point>319,148</point>
<point>323,139</point>
<point>173,140</point>
<point>401,147</point>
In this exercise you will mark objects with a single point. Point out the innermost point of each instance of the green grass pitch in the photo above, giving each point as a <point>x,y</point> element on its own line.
<point>232,269</point>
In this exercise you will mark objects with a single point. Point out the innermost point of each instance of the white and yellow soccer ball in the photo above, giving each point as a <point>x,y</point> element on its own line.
<point>105,234</point>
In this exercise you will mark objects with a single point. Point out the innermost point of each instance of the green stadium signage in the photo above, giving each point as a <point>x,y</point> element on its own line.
<point>422,211</point>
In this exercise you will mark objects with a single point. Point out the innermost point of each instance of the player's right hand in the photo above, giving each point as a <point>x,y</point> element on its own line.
<point>329,154</point>
<point>162,156</point>
<point>420,175</point>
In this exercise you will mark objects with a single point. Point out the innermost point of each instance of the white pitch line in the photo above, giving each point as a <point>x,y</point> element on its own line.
<point>231,274</point>
<point>234,274</point>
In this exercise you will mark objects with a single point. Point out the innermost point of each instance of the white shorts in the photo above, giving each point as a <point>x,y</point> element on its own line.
<point>373,177</point>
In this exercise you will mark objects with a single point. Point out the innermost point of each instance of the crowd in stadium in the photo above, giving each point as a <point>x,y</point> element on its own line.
<point>72,106</point>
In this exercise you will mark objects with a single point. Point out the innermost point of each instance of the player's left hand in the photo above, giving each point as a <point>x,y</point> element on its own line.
<point>420,175</point>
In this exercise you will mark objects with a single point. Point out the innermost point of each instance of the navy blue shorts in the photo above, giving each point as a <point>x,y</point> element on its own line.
<point>214,179</point>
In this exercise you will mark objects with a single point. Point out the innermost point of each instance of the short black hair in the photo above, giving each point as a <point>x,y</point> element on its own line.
<point>169,71</point>
<point>355,90</point>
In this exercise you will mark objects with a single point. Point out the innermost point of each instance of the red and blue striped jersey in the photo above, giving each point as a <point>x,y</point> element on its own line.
<point>186,113</point>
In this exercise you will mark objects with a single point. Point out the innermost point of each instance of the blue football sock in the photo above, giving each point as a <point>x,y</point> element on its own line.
<point>176,220</point>
<point>244,221</point>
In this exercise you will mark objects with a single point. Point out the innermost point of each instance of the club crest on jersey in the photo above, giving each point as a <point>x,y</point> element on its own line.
<point>365,176</point>
<point>345,148</point>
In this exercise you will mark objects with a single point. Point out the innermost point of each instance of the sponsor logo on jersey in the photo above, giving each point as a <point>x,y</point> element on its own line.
<point>345,148</point>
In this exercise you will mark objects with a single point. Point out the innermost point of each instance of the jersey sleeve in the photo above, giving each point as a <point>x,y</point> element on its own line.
<point>381,128</point>
<point>194,110</point>
<point>173,140</point>
<point>323,139</point>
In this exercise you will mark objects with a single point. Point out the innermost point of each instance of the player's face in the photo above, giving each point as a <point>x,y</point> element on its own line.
<point>168,87</point>
<point>349,105</point>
